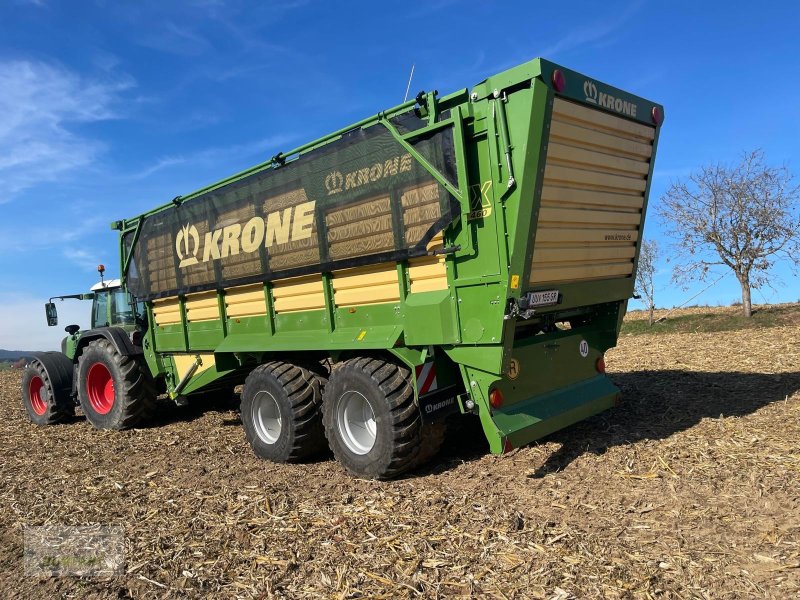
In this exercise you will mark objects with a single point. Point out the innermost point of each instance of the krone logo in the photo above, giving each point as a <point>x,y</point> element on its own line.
<point>590,90</point>
<point>187,245</point>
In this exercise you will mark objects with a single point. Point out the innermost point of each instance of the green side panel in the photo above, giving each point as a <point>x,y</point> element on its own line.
<point>205,335</point>
<point>170,338</point>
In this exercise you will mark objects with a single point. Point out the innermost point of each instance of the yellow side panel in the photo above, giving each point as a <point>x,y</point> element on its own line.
<point>245,301</point>
<point>553,274</point>
<point>595,119</point>
<point>201,307</point>
<point>591,204</point>
<point>184,361</point>
<point>298,293</point>
<point>427,274</point>
<point>166,311</point>
<point>374,284</point>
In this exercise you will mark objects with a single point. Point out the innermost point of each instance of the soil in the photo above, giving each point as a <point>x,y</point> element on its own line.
<point>689,489</point>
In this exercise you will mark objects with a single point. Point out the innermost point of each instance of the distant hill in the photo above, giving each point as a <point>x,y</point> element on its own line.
<point>12,355</point>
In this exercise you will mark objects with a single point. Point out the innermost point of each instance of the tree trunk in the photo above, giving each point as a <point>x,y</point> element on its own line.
<point>747,306</point>
<point>652,308</point>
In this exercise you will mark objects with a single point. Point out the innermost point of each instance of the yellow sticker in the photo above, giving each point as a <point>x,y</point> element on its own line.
<point>513,369</point>
<point>362,335</point>
<point>514,282</point>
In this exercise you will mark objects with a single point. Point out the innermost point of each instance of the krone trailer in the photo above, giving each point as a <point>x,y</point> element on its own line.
<point>471,253</point>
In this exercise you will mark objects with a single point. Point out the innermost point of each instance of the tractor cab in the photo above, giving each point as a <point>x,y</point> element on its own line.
<point>112,305</point>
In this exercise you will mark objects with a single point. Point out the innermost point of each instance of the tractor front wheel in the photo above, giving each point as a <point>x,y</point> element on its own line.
<point>115,391</point>
<point>42,398</point>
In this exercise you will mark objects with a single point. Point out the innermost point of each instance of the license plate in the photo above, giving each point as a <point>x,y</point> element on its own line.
<point>543,298</point>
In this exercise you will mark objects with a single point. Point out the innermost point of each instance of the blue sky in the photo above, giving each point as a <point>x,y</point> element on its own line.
<point>109,108</point>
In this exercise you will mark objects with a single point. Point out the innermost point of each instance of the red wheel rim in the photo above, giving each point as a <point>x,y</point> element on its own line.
<point>100,388</point>
<point>35,386</point>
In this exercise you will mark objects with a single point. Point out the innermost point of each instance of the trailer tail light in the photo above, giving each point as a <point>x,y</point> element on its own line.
<point>600,365</point>
<point>559,81</point>
<point>657,115</point>
<point>496,398</point>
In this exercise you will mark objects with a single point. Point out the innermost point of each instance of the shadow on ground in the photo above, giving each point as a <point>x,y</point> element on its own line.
<point>658,404</point>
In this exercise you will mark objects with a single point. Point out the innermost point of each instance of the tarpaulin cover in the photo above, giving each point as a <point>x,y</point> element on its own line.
<point>360,200</point>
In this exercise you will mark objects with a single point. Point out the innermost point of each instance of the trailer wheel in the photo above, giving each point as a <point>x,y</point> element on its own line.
<point>115,391</point>
<point>281,411</point>
<point>371,421</point>
<point>41,398</point>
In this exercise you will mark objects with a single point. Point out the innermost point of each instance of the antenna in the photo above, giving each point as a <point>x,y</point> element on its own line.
<point>408,87</point>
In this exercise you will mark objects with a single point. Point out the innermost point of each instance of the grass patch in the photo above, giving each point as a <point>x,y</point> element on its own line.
<point>719,319</point>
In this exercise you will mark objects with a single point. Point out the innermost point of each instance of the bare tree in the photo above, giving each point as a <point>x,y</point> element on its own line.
<point>743,217</point>
<point>645,274</point>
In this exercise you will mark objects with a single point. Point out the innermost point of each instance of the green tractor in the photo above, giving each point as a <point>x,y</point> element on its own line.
<point>91,361</point>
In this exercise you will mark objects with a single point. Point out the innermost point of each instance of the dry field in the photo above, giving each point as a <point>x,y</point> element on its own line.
<point>689,489</point>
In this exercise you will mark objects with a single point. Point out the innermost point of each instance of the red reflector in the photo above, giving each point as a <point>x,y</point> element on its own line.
<point>601,365</point>
<point>507,446</point>
<point>496,398</point>
<point>657,115</point>
<point>559,81</point>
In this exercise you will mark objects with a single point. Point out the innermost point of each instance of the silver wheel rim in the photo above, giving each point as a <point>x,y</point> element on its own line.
<point>356,422</point>
<point>267,417</point>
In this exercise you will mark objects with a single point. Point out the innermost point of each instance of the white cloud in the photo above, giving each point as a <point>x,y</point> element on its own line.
<point>213,157</point>
<point>40,104</point>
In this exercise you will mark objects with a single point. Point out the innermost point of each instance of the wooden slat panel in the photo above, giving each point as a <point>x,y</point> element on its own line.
<point>580,272</point>
<point>166,311</point>
<point>298,293</point>
<point>589,138</point>
<point>376,294</point>
<point>298,303</point>
<point>202,314</point>
<point>592,179</point>
<point>202,307</point>
<point>245,301</point>
<point>558,195</point>
<point>612,236</point>
<point>577,216</point>
<point>365,276</point>
<point>591,159</point>
<point>427,274</point>
<point>543,256</point>
<point>374,284</point>
<point>562,109</point>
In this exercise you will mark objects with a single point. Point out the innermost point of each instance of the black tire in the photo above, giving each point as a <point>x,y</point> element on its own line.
<point>433,435</point>
<point>291,394</point>
<point>128,401</point>
<point>386,387</point>
<point>42,399</point>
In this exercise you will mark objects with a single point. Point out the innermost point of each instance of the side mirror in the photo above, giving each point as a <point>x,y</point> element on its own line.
<point>52,314</point>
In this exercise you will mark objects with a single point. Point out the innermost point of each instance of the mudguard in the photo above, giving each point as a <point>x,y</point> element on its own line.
<point>116,335</point>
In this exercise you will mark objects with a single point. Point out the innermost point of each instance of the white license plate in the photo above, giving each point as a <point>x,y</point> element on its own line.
<point>543,298</point>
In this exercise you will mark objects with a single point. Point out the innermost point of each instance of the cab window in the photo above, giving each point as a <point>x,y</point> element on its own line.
<point>100,309</point>
<point>121,310</point>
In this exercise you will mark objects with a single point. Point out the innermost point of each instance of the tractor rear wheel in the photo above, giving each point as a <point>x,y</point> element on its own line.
<point>115,391</point>
<point>281,411</point>
<point>41,397</point>
<point>371,421</point>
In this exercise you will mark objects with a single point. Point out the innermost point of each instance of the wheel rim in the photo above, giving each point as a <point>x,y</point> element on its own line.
<point>356,422</point>
<point>100,388</point>
<point>35,388</point>
<point>267,417</point>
